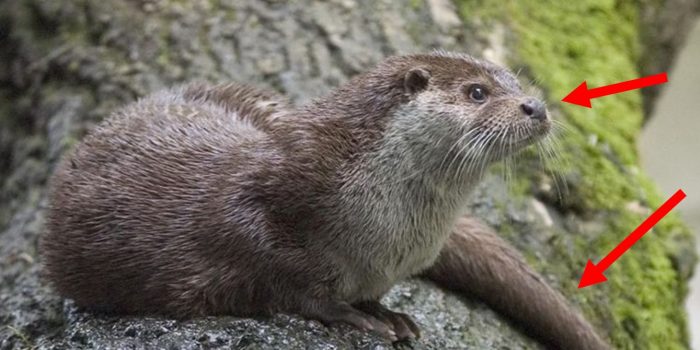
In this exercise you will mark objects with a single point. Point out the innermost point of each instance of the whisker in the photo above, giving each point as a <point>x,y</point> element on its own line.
<point>478,150</point>
<point>456,155</point>
<point>472,151</point>
<point>553,161</point>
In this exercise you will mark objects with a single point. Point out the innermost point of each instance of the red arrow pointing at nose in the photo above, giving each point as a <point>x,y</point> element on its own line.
<point>593,274</point>
<point>582,95</point>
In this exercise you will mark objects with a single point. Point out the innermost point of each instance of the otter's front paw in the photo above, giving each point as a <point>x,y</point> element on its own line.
<point>402,324</point>
<point>340,312</point>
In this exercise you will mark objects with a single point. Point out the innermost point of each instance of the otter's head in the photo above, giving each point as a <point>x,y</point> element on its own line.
<point>472,110</point>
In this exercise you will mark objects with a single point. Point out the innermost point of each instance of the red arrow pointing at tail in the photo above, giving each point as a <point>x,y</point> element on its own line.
<point>593,274</point>
<point>582,95</point>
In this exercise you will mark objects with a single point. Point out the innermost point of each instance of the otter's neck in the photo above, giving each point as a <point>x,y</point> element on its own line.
<point>400,205</point>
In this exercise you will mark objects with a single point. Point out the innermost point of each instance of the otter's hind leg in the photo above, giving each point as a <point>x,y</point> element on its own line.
<point>476,262</point>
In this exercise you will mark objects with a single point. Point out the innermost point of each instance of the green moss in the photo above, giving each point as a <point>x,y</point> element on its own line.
<point>415,4</point>
<point>563,44</point>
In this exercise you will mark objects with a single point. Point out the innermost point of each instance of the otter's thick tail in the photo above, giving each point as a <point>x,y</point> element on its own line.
<point>477,262</point>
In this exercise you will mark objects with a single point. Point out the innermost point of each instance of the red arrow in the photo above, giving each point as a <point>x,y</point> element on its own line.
<point>593,274</point>
<point>582,95</point>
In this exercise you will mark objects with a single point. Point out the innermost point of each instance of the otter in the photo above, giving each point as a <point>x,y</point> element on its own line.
<point>229,200</point>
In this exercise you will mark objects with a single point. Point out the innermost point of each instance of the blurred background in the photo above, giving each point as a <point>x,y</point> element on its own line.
<point>670,150</point>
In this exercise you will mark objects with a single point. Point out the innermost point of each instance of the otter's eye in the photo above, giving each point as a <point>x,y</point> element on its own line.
<point>477,93</point>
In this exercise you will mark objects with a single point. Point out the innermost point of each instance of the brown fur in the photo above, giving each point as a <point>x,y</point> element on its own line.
<point>492,271</point>
<point>226,199</point>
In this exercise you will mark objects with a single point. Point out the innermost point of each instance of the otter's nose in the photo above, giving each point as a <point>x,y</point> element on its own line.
<point>534,109</point>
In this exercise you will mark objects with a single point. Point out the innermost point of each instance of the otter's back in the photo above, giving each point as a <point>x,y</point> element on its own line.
<point>136,192</point>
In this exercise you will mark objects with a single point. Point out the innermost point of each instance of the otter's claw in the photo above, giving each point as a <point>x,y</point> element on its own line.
<point>402,324</point>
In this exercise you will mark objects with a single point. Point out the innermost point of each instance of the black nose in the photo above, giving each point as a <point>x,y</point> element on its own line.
<point>534,109</point>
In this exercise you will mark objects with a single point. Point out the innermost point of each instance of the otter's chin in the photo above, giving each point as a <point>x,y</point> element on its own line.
<point>535,132</point>
<point>538,129</point>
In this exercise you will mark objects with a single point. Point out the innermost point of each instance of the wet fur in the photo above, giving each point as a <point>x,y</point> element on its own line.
<point>226,199</point>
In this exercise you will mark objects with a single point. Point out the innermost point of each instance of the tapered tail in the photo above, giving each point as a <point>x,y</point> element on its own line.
<point>478,263</point>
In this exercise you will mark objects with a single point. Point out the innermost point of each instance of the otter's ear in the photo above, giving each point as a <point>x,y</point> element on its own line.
<point>416,80</point>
